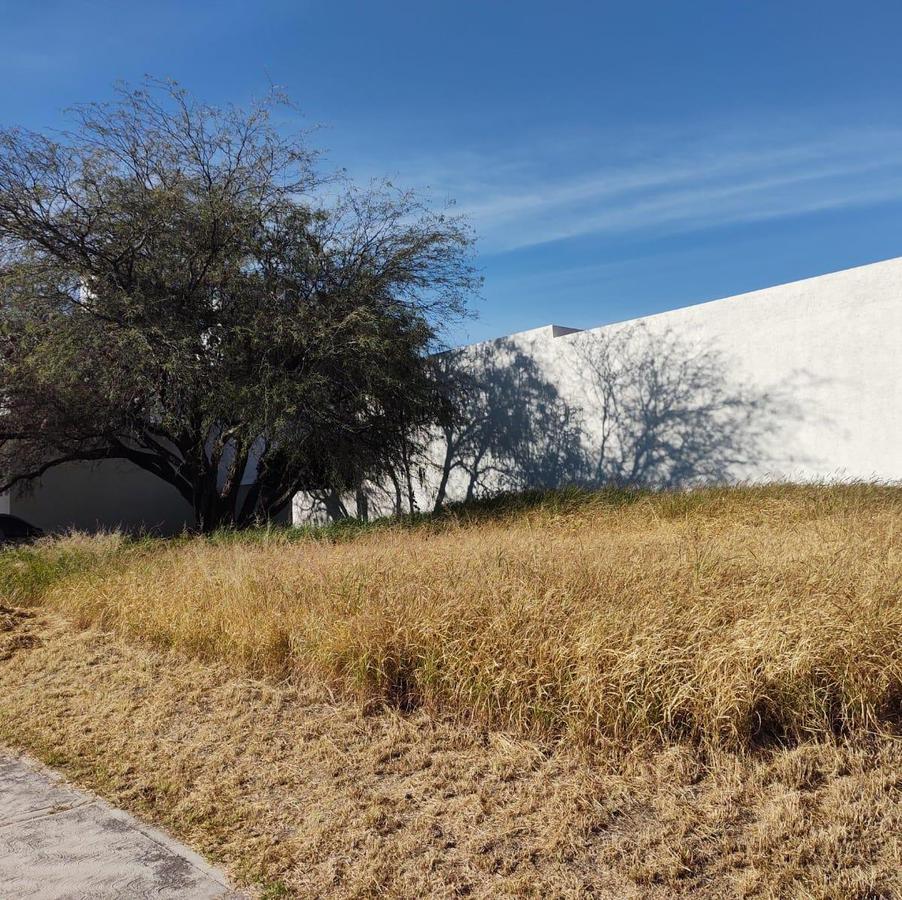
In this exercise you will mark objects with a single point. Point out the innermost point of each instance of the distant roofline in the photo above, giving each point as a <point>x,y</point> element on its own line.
<point>559,330</point>
<point>563,330</point>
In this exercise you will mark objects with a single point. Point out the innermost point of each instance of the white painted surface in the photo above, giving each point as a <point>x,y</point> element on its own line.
<point>799,382</point>
<point>796,382</point>
<point>829,344</point>
<point>834,343</point>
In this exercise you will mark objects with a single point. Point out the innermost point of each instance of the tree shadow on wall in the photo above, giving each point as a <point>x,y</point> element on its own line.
<point>511,430</point>
<point>662,412</point>
<point>641,409</point>
<point>625,407</point>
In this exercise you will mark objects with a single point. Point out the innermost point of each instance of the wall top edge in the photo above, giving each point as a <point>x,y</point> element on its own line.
<point>562,330</point>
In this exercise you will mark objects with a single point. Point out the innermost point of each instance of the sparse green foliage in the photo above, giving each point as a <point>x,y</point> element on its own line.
<point>180,288</point>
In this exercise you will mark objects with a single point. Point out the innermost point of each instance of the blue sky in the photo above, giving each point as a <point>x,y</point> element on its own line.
<point>615,159</point>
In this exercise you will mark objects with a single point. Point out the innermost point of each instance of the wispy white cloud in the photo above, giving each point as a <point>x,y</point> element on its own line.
<point>541,194</point>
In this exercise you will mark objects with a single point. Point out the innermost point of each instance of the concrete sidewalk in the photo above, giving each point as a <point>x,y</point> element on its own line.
<point>58,842</point>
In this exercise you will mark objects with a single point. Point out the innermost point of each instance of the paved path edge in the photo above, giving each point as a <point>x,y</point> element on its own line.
<point>85,797</point>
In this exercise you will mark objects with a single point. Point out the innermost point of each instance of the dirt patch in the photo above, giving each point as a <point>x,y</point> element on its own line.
<point>308,796</point>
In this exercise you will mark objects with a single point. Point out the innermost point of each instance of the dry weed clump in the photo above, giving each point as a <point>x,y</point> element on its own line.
<point>729,618</point>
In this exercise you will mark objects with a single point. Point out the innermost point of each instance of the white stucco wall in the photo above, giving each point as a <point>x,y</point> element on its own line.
<point>830,346</point>
<point>798,382</point>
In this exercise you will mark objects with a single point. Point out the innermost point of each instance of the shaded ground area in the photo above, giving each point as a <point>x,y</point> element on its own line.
<point>56,841</point>
<point>304,795</point>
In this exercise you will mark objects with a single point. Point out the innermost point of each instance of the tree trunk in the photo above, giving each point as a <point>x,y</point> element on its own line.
<point>335,509</point>
<point>447,465</point>
<point>212,511</point>
<point>363,505</point>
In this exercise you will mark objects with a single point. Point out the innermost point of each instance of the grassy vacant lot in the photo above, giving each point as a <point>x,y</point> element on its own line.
<point>618,694</point>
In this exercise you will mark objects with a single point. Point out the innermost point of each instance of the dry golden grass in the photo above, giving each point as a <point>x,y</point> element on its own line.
<point>722,617</point>
<point>307,796</point>
<point>619,695</point>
